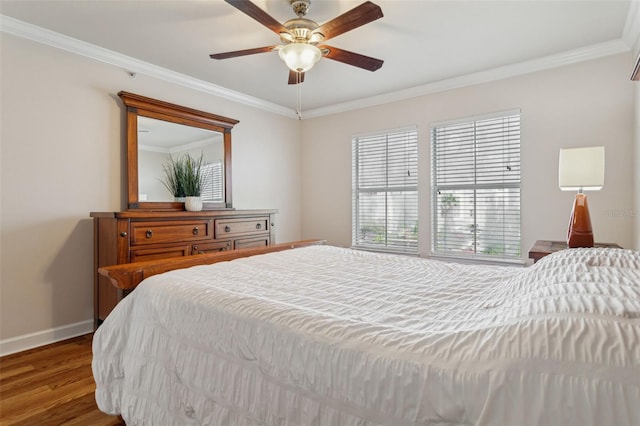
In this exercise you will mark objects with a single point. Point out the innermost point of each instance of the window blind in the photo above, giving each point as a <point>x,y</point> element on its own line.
<point>212,189</point>
<point>385,191</point>
<point>476,187</point>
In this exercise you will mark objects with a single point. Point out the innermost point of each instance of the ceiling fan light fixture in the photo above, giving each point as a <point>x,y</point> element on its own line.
<point>300,57</point>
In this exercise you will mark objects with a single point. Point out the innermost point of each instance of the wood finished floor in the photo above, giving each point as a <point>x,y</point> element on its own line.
<point>51,385</point>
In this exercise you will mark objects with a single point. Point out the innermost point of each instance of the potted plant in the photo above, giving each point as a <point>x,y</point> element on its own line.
<point>183,178</point>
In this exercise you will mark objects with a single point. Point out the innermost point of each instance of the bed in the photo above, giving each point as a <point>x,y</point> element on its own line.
<point>322,335</point>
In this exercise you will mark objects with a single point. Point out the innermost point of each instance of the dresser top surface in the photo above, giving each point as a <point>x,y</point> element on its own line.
<point>146,214</point>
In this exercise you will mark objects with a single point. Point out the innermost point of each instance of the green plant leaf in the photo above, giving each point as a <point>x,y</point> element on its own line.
<point>183,175</point>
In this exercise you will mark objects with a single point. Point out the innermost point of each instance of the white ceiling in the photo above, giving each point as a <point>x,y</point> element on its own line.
<point>422,42</point>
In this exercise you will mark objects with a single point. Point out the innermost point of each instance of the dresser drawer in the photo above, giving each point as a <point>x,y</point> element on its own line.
<point>238,227</point>
<point>139,255</point>
<point>170,231</point>
<point>202,248</point>
<point>252,242</point>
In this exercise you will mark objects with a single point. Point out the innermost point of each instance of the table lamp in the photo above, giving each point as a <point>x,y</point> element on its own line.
<point>581,169</point>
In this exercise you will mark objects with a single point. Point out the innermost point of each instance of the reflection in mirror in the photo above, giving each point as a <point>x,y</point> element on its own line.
<point>159,140</point>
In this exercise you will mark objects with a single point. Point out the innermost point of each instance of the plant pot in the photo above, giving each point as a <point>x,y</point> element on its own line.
<point>193,204</point>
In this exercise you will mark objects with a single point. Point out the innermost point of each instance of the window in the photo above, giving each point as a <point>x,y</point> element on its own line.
<point>212,189</point>
<point>476,187</point>
<point>385,191</point>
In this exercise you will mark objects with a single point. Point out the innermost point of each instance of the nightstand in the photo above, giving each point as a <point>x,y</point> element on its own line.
<point>543,248</point>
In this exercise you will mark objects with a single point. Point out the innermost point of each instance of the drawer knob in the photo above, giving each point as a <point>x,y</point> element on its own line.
<point>195,247</point>
<point>123,234</point>
<point>149,233</point>
<point>258,226</point>
<point>195,230</point>
<point>227,229</point>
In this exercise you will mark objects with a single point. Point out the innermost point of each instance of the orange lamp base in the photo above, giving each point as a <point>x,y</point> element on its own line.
<point>580,233</point>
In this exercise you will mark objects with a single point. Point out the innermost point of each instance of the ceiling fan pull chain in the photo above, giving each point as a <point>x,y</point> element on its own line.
<point>298,96</point>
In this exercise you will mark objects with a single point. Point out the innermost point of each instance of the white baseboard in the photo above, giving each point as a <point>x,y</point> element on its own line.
<point>44,337</point>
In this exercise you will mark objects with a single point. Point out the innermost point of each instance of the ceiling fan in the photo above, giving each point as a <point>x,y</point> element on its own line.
<point>302,36</point>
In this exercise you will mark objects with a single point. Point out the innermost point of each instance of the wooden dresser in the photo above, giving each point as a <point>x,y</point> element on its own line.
<point>135,235</point>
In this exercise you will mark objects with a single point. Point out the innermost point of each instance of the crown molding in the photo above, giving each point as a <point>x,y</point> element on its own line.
<point>630,40</point>
<point>132,65</point>
<point>548,62</point>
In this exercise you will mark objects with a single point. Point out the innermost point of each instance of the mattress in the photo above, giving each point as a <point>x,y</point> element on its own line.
<point>330,336</point>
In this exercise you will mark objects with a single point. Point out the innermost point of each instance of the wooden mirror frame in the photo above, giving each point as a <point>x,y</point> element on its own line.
<point>137,105</point>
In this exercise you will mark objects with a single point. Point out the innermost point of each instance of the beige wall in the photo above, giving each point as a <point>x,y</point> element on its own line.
<point>587,104</point>
<point>61,158</point>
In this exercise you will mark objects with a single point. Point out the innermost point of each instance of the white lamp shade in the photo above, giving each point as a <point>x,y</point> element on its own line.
<point>581,169</point>
<point>300,57</point>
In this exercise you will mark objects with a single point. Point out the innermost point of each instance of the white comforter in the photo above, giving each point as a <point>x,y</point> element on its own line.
<point>330,336</point>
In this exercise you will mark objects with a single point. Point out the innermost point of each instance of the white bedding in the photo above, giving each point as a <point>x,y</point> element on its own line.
<point>329,336</point>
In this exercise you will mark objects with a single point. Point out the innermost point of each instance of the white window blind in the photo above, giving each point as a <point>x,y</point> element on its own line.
<point>385,191</point>
<point>213,188</point>
<point>476,187</point>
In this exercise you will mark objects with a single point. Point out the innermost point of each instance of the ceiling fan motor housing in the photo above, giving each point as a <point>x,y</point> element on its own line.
<point>301,30</point>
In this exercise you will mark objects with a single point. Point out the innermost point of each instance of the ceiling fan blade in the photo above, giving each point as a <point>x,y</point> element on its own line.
<point>294,79</point>
<point>245,52</point>
<point>354,18</point>
<point>249,8</point>
<point>350,58</point>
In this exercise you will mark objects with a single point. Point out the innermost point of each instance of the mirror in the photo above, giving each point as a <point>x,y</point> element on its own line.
<point>157,131</point>
<point>159,141</point>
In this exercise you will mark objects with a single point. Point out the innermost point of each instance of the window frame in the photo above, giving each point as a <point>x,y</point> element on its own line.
<point>505,185</point>
<point>357,241</point>
<point>215,171</point>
